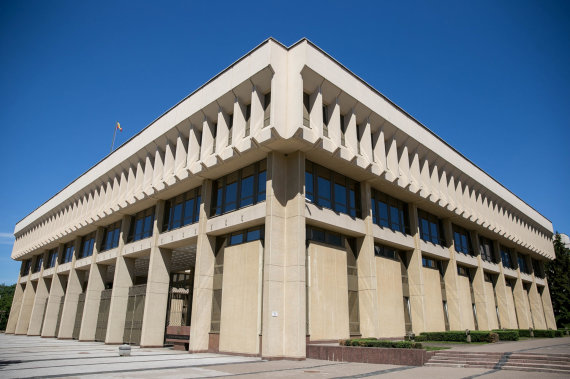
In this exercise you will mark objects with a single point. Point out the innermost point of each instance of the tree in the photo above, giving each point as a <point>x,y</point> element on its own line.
<point>6,295</point>
<point>558,275</point>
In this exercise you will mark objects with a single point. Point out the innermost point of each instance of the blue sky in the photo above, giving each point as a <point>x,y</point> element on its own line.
<point>492,78</point>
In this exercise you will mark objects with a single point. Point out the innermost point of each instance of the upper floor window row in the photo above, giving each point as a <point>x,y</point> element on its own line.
<point>390,213</point>
<point>537,267</point>
<point>522,264</point>
<point>247,235</point>
<point>462,240</point>
<point>68,251</point>
<point>486,249</point>
<point>506,257</point>
<point>52,258</point>
<point>182,210</point>
<point>26,267</point>
<point>141,225</point>
<point>39,263</point>
<point>324,236</point>
<point>239,189</point>
<point>111,235</point>
<point>385,251</point>
<point>430,228</point>
<point>332,190</point>
<point>87,245</point>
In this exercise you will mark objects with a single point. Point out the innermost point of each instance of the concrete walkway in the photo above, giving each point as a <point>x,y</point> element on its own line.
<point>22,356</point>
<point>534,345</point>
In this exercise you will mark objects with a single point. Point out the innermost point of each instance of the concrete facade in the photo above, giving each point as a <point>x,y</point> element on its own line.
<point>250,213</point>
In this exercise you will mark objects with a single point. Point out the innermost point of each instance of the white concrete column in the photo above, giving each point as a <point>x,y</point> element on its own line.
<point>207,146</point>
<point>547,305</point>
<point>56,292</point>
<point>223,131</point>
<point>334,122</point>
<point>123,280</point>
<point>194,139</point>
<point>27,303</point>
<point>415,275</point>
<point>450,278</point>
<point>521,304</point>
<point>16,306</point>
<point>95,284</point>
<point>74,289</point>
<point>158,281</point>
<point>40,302</point>
<point>238,127</point>
<point>284,283</point>
<point>366,266</point>
<point>203,277</point>
<point>479,287</point>
<point>502,295</point>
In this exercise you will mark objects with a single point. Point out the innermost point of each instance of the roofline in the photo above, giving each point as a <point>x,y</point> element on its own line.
<point>412,118</point>
<point>304,39</point>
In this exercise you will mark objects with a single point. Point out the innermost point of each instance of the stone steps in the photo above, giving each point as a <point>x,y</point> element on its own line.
<point>550,363</point>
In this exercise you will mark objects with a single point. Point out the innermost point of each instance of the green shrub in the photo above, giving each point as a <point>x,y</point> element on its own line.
<point>457,336</point>
<point>559,333</point>
<point>372,342</point>
<point>420,338</point>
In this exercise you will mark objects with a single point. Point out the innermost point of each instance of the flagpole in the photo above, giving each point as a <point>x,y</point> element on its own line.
<point>113,143</point>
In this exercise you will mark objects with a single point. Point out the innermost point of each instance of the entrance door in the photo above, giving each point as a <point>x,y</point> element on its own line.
<point>179,310</point>
<point>135,312</point>
<point>78,316</point>
<point>103,316</point>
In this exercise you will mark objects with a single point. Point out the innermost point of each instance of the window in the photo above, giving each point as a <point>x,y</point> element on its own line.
<point>429,263</point>
<point>537,267</point>
<point>267,109</point>
<point>68,251</point>
<point>487,277</point>
<point>182,210</point>
<point>332,190</point>
<point>324,236</point>
<point>87,244</point>
<point>239,189</point>
<point>247,117</point>
<point>522,264</point>
<point>388,212</point>
<point>141,225</point>
<point>486,249</point>
<point>430,228</point>
<point>230,128</point>
<point>506,256</point>
<point>385,251</point>
<point>462,240</point>
<point>342,130</point>
<point>111,235</point>
<point>247,235</point>
<point>325,120</point>
<point>26,267</point>
<point>306,110</point>
<point>52,258</point>
<point>39,262</point>
<point>463,271</point>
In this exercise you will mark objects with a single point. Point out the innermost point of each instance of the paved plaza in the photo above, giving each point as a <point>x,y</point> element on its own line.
<point>27,357</point>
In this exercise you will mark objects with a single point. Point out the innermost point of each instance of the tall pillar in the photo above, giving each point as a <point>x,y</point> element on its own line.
<point>450,279</point>
<point>40,303</point>
<point>203,277</point>
<point>536,310</point>
<point>547,305</point>
<point>158,282</point>
<point>95,284</point>
<point>57,290</point>
<point>123,280</point>
<point>415,275</point>
<point>521,304</point>
<point>366,267</point>
<point>74,289</point>
<point>501,292</point>
<point>16,306</point>
<point>479,287</point>
<point>284,275</point>
<point>27,304</point>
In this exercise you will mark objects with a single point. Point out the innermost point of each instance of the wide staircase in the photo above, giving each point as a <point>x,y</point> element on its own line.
<point>555,363</point>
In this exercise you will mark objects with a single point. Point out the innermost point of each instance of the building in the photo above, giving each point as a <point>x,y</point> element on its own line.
<point>283,201</point>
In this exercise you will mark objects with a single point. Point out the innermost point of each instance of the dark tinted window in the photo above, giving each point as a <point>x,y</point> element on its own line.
<point>486,249</point>
<point>141,225</point>
<point>430,228</point>
<point>87,245</point>
<point>324,236</point>
<point>111,236</point>
<point>462,240</point>
<point>506,257</point>
<point>246,235</point>
<point>388,212</point>
<point>182,210</point>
